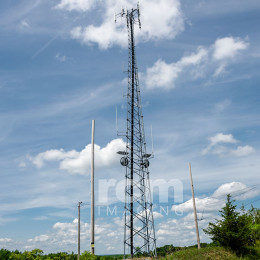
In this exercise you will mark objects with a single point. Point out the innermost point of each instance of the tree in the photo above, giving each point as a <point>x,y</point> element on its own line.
<point>4,254</point>
<point>16,255</point>
<point>254,215</point>
<point>233,230</point>
<point>87,256</point>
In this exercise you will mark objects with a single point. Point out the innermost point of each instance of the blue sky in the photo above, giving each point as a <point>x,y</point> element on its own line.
<point>62,64</point>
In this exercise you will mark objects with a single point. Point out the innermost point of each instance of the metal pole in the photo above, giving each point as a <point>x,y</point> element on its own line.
<point>92,242</point>
<point>79,230</point>
<point>194,208</point>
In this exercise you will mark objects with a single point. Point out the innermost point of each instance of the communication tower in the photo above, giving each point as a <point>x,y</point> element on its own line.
<point>139,233</point>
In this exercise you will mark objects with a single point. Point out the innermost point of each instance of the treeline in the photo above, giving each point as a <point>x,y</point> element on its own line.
<point>37,254</point>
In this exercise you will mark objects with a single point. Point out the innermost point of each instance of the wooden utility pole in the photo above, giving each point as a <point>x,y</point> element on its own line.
<point>92,235</point>
<point>79,229</point>
<point>194,209</point>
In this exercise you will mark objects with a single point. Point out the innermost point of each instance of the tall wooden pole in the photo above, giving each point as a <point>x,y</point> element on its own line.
<point>194,209</point>
<point>79,230</point>
<point>92,241</point>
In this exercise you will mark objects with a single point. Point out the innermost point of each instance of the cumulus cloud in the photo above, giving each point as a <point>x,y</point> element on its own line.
<point>212,59</point>
<point>205,204</point>
<point>215,148</point>
<point>228,47</point>
<point>53,155</point>
<point>157,23</point>
<point>237,189</point>
<point>181,231</point>
<point>79,162</point>
<point>63,236</point>
<point>163,75</point>
<point>213,203</point>
<point>222,138</point>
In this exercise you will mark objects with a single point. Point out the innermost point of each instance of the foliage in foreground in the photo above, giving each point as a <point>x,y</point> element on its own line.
<point>235,230</point>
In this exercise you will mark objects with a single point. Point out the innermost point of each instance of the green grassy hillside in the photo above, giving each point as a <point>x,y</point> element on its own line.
<point>210,252</point>
<point>204,253</point>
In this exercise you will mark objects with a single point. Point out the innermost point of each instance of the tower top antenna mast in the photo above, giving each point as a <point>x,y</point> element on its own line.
<point>133,14</point>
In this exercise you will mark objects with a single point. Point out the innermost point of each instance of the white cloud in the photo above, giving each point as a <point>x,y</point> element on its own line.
<point>205,204</point>
<point>4,240</point>
<point>215,140</point>
<point>53,155</point>
<point>79,162</point>
<point>194,58</point>
<point>157,215</point>
<point>7,243</point>
<point>41,238</point>
<point>237,189</point>
<point>228,47</point>
<point>163,75</point>
<point>215,202</point>
<point>221,138</point>
<point>243,150</point>
<point>77,5</point>
<point>181,231</point>
<point>157,23</point>
<point>213,59</point>
<point>63,236</point>
<point>160,23</point>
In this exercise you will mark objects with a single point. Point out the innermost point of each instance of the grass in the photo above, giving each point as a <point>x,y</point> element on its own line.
<point>216,253</point>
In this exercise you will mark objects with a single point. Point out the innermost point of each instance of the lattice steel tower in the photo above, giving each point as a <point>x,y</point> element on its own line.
<point>139,233</point>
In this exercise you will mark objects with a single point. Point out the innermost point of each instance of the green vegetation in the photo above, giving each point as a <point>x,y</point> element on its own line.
<point>168,252</point>
<point>37,254</point>
<point>216,253</point>
<point>207,251</point>
<point>238,231</point>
